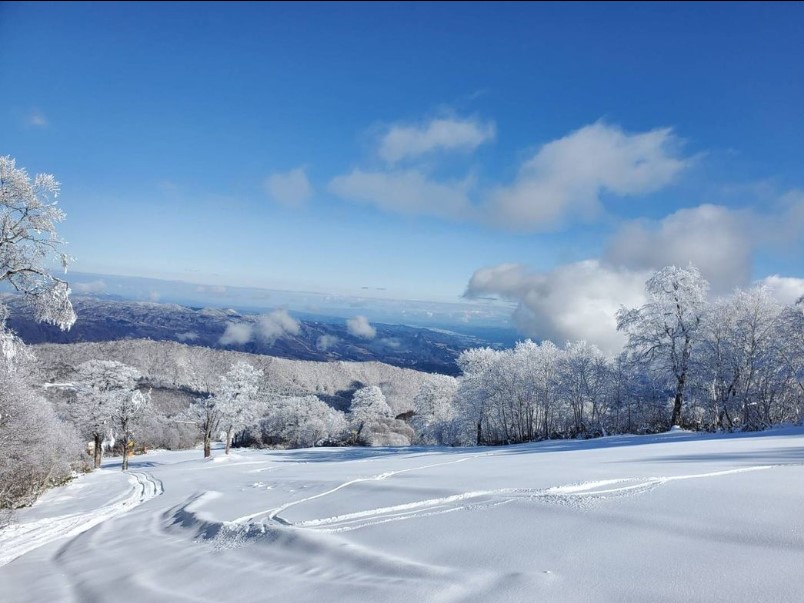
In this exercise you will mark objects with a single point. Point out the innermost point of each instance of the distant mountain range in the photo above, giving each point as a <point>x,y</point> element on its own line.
<point>315,337</point>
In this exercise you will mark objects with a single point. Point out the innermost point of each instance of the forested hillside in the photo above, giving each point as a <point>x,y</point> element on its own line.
<point>197,369</point>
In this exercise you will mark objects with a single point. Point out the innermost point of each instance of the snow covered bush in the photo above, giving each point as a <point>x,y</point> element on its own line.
<point>372,422</point>
<point>301,422</point>
<point>37,449</point>
<point>367,407</point>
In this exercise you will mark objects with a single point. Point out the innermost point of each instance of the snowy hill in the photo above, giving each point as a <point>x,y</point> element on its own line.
<point>673,517</point>
<point>184,367</point>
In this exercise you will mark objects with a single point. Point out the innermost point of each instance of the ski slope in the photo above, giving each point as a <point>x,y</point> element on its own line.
<point>673,517</point>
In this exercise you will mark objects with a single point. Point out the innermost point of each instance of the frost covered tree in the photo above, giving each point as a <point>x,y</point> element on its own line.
<point>434,421</point>
<point>666,329</point>
<point>127,414</point>
<point>509,395</point>
<point>37,449</point>
<point>238,400</point>
<point>302,421</point>
<point>29,243</point>
<point>368,406</point>
<point>475,392</point>
<point>740,358</point>
<point>529,376</point>
<point>101,389</point>
<point>790,344</point>
<point>756,314</point>
<point>719,373</point>
<point>205,413</point>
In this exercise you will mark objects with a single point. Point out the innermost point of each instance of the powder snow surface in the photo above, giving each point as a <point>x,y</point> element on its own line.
<point>675,517</point>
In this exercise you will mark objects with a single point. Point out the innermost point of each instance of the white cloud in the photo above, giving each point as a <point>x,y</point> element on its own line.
<point>291,188</point>
<point>276,325</point>
<point>188,336</point>
<point>571,302</point>
<point>785,289</point>
<point>785,226</point>
<point>359,326</point>
<point>98,286</point>
<point>408,192</point>
<point>325,342</point>
<point>567,176</point>
<point>267,328</point>
<point>564,180</point>
<point>716,239</point>
<point>445,134</point>
<point>237,333</point>
<point>37,119</point>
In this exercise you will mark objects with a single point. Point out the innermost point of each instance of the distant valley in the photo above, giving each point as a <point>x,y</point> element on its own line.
<point>312,337</point>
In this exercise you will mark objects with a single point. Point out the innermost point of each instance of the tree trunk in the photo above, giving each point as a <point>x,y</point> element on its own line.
<point>479,432</point>
<point>97,452</point>
<point>207,447</point>
<point>125,453</point>
<point>229,435</point>
<point>677,401</point>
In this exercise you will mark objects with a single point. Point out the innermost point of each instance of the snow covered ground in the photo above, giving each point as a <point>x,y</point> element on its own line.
<point>674,517</point>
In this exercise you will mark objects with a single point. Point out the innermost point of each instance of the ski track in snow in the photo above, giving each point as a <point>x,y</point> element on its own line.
<point>272,514</point>
<point>573,495</point>
<point>18,539</point>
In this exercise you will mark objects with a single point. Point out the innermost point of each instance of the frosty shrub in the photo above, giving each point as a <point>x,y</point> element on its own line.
<point>302,422</point>
<point>37,450</point>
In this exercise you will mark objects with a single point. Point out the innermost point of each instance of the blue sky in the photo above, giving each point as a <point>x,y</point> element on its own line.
<point>403,147</point>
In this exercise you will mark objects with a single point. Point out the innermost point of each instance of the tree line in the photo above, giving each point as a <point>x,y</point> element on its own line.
<point>733,363</point>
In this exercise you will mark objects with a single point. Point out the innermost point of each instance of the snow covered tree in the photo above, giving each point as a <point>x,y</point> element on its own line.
<point>435,411</point>
<point>206,414</point>
<point>756,314</point>
<point>127,414</point>
<point>790,344</point>
<point>740,358</point>
<point>367,407</point>
<point>665,330</point>
<point>719,372</point>
<point>529,375</point>
<point>234,404</point>
<point>302,421</point>
<point>31,435</point>
<point>101,387</point>
<point>475,390</point>
<point>238,399</point>
<point>36,447</point>
<point>29,242</point>
<point>583,373</point>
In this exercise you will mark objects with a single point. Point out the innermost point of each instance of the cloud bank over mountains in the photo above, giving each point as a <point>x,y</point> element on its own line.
<point>267,328</point>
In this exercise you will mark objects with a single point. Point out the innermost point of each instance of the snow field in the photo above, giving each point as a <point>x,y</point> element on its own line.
<point>677,517</point>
